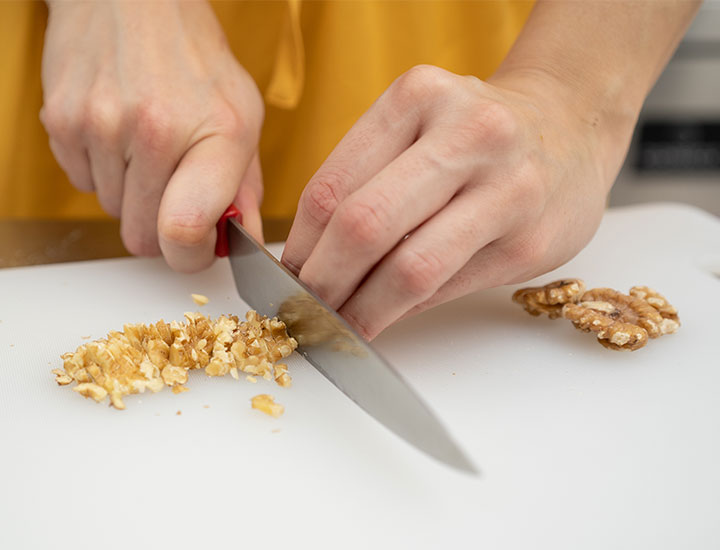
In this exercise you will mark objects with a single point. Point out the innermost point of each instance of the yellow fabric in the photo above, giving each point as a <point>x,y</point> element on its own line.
<point>286,84</point>
<point>320,64</point>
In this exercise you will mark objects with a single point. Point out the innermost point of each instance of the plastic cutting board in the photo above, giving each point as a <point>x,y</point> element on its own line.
<point>580,447</point>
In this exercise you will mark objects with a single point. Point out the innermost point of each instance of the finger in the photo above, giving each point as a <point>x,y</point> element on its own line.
<point>380,135</point>
<point>508,260</point>
<point>424,263</point>
<point>104,143</point>
<point>58,116</point>
<point>75,163</point>
<point>203,185</point>
<point>372,220</point>
<point>148,172</point>
<point>486,269</point>
<point>249,198</point>
<point>108,172</point>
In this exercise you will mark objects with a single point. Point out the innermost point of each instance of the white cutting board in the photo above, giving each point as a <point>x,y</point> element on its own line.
<point>580,447</point>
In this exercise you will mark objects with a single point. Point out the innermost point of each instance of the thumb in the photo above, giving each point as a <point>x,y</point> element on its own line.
<point>204,183</point>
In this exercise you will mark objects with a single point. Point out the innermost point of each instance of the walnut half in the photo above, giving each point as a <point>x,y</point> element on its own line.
<point>620,321</point>
<point>549,299</point>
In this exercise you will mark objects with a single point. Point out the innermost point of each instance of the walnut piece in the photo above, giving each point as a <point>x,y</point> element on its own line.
<point>281,375</point>
<point>266,403</point>
<point>98,393</point>
<point>671,321</point>
<point>154,356</point>
<point>200,299</point>
<point>61,377</point>
<point>620,321</point>
<point>551,298</point>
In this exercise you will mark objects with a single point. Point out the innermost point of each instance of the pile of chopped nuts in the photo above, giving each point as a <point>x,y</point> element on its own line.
<point>620,321</point>
<point>154,356</point>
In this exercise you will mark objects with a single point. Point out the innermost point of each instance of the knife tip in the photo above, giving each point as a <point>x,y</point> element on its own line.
<point>464,465</point>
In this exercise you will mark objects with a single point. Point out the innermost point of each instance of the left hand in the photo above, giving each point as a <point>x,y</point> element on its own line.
<point>448,185</point>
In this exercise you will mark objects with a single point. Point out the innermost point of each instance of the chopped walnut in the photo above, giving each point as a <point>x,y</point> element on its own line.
<point>61,377</point>
<point>173,375</point>
<point>551,298</point>
<point>200,299</point>
<point>98,393</point>
<point>266,403</point>
<point>281,375</point>
<point>154,356</point>
<point>180,389</point>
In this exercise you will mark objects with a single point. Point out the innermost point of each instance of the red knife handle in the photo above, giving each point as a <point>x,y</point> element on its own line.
<point>222,246</point>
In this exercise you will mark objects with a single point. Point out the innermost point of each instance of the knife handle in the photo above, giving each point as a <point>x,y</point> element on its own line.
<point>222,247</point>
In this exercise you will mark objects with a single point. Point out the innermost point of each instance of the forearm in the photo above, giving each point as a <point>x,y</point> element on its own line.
<point>599,58</point>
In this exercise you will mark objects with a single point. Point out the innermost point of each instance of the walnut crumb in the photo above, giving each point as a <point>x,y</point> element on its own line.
<point>88,389</point>
<point>266,403</point>
<point>200,299</point>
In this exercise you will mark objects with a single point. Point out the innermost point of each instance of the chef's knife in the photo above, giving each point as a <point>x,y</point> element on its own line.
<point>332,346</point>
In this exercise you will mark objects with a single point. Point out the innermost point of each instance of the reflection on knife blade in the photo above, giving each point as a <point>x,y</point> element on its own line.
<point>312,325</point>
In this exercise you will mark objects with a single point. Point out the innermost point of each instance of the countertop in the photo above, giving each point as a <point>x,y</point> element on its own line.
<point>37,241</point>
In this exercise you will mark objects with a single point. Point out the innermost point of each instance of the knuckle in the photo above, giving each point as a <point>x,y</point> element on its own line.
<point>319,200</point>
<point>418,274</point>
<point>488,127</point>
<point>102,117</point>
<point>187,230</point>
<point>229,122</point>
<point>494,125</point>
<point>154,125</point>
<point>419,83</point>
<point>362,224</point>
<point>56,119</point>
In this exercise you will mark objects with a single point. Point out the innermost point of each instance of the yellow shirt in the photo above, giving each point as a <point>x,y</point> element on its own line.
<point>319,64</point>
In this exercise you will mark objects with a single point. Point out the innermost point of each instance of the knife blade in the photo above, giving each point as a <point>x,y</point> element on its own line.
<point>328,343</point>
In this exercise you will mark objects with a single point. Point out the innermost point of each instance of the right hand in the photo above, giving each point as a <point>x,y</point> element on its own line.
<point>145,104</point>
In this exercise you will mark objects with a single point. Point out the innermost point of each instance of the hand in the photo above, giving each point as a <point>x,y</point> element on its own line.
<point>447,185</point>
<point>146,105</point>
